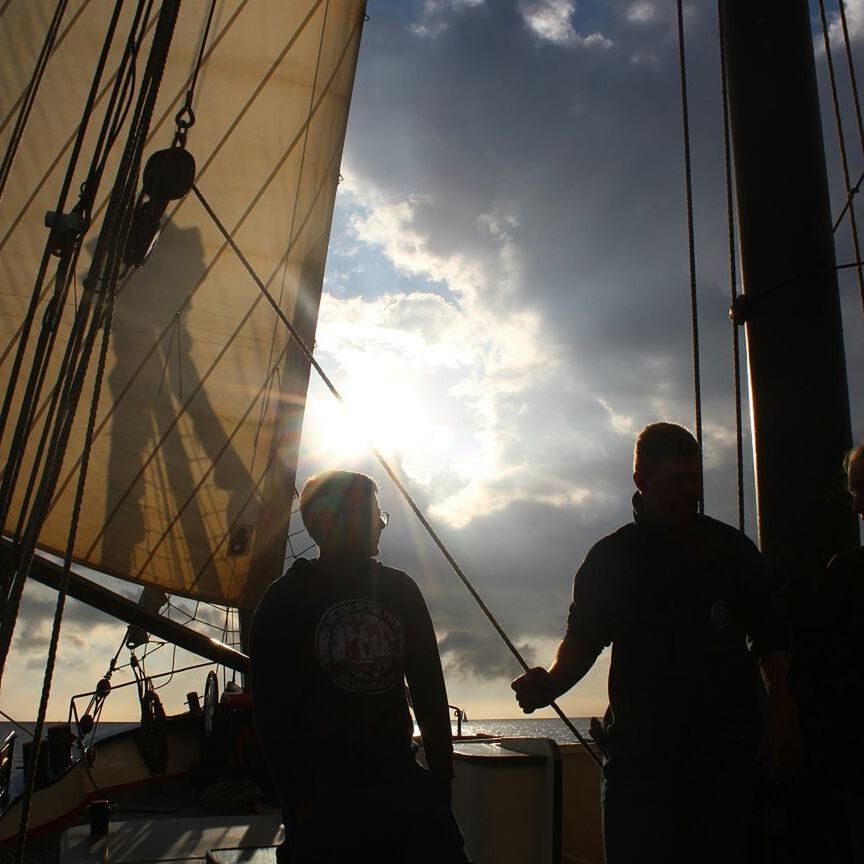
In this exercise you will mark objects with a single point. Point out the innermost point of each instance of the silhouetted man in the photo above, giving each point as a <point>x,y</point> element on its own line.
<point>830,688</point>
<point>686,604</point>
<point>332,645</point>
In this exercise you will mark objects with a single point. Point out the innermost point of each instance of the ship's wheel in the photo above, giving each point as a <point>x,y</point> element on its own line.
<point>211,700</point>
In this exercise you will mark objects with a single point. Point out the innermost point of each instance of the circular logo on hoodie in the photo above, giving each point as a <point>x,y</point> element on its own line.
<point>359,647</point>
<point>720,615</point>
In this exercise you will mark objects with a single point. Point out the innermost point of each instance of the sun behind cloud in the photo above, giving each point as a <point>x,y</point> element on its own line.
<point>385,409</point>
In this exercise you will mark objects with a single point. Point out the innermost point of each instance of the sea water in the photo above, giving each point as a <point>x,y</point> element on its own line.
<point>518,728</point>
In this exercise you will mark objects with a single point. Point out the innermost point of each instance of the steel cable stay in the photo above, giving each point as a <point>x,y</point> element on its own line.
<point>841,141</point>
<point>691,244</point>
<point>733,270</point>
<point>403,491</point>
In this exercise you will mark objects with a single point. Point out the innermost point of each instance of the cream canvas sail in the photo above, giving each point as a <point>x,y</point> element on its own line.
<point>190,480</point>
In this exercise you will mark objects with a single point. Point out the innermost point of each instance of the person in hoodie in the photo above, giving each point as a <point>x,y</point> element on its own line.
<point>829,679</point>
<point>333,643</point>
<point>686,603</point>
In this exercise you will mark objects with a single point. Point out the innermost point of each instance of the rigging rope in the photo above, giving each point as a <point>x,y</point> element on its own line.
<point>191,294</point>
<point>733,270</point>
<point>36,296</point>
<point>16,723</point>
<point>22,429</point>
<point>691,244</point>
<point>841,140</point>
<point>102,281</point>
<point>117,110</point>
<point>849,197</point>
<point>185,117</point>
<point>30,94</point>
<point>82,8</point>
<point>242,219</point>
<point>853,78</point>
<point>403,491</point>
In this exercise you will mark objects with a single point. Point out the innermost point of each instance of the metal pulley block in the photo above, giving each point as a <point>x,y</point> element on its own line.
<point>168,176</point>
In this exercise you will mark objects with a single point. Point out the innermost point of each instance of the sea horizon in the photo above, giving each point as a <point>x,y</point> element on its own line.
<point>505,727</point>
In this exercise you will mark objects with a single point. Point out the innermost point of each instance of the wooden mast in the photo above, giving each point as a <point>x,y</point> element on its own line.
<point>798,385</point>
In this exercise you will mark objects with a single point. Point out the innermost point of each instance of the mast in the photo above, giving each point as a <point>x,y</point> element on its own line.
<point>798,384</point>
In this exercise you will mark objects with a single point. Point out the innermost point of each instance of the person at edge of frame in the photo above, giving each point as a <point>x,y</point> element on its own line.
<point>828,682</point>
<point>332,643</point>
<point>688,607</point>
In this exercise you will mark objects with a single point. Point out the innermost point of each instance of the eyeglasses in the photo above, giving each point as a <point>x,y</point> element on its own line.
<point>385,517</point>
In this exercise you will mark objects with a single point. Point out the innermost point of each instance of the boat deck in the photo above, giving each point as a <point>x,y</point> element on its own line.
<point>229,840</point>
<point>510,797</point>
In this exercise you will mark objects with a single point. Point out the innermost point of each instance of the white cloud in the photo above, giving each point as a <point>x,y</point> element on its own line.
<point>621,423</point>
<point>436,15</point>
<point>854,22</point>
<point>641,12</point>
<point>489,493</point>
<point>552,21</point>
<point>718,445</point>
<point>477,359</point>
<point>644,58</point>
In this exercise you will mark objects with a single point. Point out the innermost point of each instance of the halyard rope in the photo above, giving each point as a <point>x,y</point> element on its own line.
<point>841,141</point>
<point>733,271</point>
<point>691,244</point>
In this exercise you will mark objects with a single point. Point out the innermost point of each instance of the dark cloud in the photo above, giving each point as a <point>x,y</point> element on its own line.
<point>36,617</point>
<point>469,654</point>
<point>581,147</point>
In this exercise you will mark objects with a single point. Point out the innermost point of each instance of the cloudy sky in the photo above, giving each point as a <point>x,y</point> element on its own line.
<point>506,303</point>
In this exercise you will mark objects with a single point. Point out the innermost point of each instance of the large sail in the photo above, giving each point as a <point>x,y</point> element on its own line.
<point>192,470</point>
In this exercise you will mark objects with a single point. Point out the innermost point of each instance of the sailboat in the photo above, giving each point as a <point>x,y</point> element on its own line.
<point>156,379</point>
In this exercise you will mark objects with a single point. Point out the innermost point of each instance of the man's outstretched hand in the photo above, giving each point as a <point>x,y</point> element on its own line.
<point>534,689</point>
